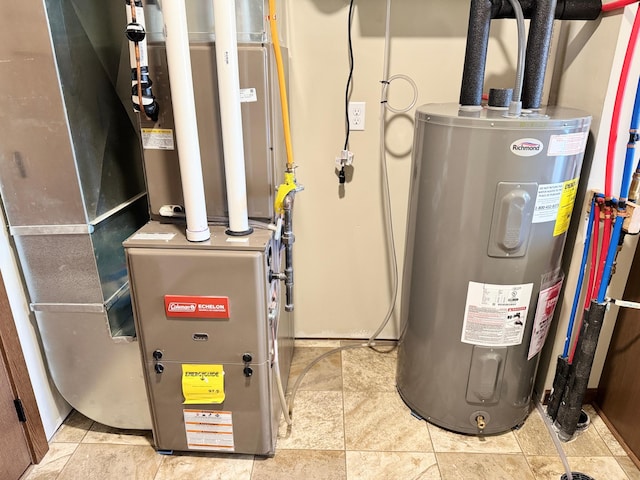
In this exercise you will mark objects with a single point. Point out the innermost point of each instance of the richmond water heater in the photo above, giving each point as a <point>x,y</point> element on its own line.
<point>490,205</point>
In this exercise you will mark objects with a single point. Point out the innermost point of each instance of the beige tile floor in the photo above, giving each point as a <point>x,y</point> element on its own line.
<point>340,432</point>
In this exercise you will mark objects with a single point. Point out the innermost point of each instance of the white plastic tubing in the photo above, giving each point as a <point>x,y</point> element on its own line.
<point>184,112</point>
<point>224,14</point>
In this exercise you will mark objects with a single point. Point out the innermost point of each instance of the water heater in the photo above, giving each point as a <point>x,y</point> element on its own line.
<point>490,204</point>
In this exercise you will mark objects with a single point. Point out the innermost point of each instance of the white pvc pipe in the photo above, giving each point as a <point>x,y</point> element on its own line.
<point>224,14</point>
<point>184,113</point>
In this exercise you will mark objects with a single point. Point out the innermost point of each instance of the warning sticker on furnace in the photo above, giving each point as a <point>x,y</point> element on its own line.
<point>209,430</point>
<point>202,384</point>
<point>157,139</point>
<point>496,315</point>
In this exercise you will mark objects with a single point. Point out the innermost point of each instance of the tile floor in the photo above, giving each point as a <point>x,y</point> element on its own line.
<point>340,432</point>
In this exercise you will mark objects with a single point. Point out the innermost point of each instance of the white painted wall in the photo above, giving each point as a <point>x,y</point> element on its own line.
<point>53,408</point>
<point>342,277</point>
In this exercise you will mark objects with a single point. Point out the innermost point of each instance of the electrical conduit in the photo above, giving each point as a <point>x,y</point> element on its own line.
<point>184,112</point>
<point>515,107</point>
<point>224,15</point>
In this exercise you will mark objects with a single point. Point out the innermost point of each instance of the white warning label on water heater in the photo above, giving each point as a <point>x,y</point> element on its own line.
<point>547,202</point>
<point>496,315</point>
<point>567,144</point>
<point>209,430</point>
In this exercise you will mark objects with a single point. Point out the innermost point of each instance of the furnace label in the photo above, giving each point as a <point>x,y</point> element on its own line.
<point>248,95</point>
<point>496,315</point>
<point>157,139</point>
<point>202,384</point>
<point>567,144</point>
<point>547,301</point>
<point>209,430</point>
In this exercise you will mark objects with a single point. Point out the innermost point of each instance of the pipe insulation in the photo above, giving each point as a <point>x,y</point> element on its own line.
<point>542,14</point>
<point>475,58</point>
<point>184,112</point>
<point>538,46</point>
<point>576,387</point>
<point>564,9</point>
<point>224,14</point>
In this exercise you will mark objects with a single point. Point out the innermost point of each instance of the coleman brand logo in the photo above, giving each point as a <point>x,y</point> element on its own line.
<point>176,307</point>
<point>526,147</point>
<point>196,306</point>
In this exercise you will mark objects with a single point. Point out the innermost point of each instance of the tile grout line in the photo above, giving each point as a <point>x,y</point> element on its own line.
<point>67,462</point>
<point>344,419</point>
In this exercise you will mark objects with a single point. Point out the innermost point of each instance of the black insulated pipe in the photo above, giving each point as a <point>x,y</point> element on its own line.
<point>559,384</point>
<point>538,45</point>
<point>475,58</point>
<point>564,9</point>
<point>480,15</point>
<point>576,388</point>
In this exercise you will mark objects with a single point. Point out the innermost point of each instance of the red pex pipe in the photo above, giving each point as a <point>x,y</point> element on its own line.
<point>618,4</point>
<point>606,239</point>
<point>615,118</point>
<point>595,234</point>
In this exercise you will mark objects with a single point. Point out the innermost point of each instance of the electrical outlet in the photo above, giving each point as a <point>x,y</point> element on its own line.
<point>356,115</point>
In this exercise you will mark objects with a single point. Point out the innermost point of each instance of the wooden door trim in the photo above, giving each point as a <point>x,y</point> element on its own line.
<point>11,351</point>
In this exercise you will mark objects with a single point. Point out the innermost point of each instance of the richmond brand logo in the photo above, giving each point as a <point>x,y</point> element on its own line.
<point>526,147</point>
<point>182,307</point>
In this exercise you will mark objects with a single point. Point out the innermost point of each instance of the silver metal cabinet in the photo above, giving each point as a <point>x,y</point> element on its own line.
<point>168,275</point>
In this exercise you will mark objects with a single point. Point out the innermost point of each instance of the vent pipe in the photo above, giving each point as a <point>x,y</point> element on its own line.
<point>224,15</point>
<point>184,112</point>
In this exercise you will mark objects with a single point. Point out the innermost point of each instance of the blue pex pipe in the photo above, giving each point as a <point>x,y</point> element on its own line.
<point>583,268</point>
<point>629,157</point>
<point>611,255</point>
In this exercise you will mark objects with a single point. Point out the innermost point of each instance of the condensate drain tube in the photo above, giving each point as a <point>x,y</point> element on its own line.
<point>224,13</point>
<point>186,125</point>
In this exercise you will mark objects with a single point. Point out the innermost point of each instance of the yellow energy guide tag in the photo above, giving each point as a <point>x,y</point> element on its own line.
<point>202,384</point>
<point>567,199</point>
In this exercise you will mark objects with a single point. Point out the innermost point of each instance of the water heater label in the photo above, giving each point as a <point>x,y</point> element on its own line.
<point>496,315</point>
<point>188,306</point>
<point>526,147</point>
<point>565,209</point>
<point>547,301</point>
<point>209,430</point>
<point>567,144</point>
<point>547,202</point>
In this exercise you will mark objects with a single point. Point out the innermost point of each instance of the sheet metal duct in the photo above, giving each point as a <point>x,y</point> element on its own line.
<point>72,187</point>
